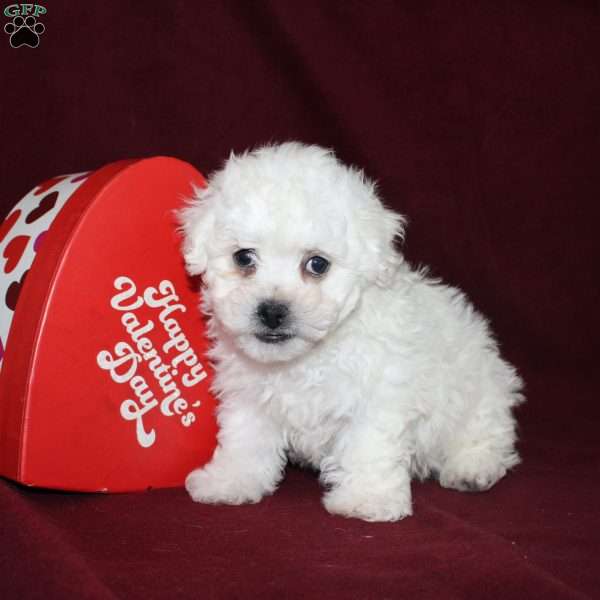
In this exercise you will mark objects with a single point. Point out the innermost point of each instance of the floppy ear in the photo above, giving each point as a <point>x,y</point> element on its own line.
<point>378,229</point>
<point>197,222</point>
<point>390,226</point>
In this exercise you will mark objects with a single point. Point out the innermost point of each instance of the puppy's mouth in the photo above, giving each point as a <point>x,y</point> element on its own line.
<point>272,337</point>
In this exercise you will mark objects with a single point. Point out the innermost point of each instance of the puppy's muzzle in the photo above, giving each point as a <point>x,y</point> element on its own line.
<point>274,316</point>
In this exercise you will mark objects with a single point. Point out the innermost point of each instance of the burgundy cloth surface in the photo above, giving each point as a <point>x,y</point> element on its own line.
<point>480,120</point>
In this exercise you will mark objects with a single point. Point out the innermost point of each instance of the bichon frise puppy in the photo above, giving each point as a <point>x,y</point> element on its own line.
<point>330,350</point>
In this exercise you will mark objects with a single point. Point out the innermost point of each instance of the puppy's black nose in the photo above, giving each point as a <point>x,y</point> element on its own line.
<point>272,313</point>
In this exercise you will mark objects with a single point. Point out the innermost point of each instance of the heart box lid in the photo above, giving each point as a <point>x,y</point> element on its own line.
<point>104,383</point>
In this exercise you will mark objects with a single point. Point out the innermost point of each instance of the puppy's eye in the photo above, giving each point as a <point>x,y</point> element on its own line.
<point>244,258</point>
<point>317,266</point>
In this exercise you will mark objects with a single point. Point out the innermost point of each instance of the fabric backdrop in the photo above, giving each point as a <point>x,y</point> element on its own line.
<point>480,121</point>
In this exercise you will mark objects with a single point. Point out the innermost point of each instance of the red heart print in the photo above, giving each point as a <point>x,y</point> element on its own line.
<point>44,187</point>
<point>46,204</point>
<point>80,177</point>
<point>8,223</point>
<point>13,291</point>
<point>14,251</point>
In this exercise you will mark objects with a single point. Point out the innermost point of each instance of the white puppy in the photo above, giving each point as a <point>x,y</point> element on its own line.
<point>330,350</point>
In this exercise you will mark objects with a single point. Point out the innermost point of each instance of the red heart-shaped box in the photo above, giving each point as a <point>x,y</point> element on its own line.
<point>104,383</point>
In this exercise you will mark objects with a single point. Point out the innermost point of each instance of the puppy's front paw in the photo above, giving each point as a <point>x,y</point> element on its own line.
<point>213,486</point>
<point>368,506</point>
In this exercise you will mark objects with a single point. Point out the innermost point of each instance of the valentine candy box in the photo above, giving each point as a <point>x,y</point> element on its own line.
<point>103,376</point>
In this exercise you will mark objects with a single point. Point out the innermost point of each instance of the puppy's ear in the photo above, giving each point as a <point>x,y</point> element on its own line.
<point>197,221</point>
<point>390,229</point>
<point>379,228</point>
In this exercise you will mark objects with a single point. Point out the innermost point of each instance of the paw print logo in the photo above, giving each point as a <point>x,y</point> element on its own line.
<point>24,31</point>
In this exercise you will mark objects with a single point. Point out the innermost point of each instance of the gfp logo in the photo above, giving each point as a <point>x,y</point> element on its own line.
<point>24,29</point>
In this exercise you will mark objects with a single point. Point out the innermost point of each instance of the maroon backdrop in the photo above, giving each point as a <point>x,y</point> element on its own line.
<point>481,121</point>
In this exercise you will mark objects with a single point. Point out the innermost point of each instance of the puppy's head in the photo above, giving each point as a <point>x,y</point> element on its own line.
<point>286,239</point>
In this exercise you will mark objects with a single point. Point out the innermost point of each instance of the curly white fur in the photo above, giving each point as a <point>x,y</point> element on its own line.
<point>384,374</point>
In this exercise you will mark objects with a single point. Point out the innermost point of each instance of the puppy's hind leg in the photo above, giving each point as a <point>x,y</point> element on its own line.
<point>481,453</point>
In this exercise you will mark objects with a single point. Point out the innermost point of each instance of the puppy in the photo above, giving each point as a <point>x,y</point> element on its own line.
<point>330,350</point>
